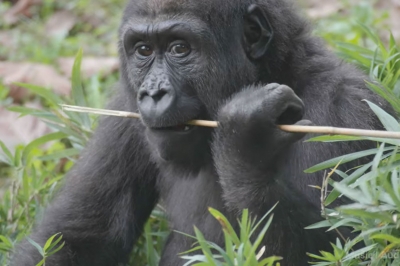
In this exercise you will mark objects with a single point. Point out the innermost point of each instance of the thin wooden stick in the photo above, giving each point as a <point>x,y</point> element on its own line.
<point>287,128</point>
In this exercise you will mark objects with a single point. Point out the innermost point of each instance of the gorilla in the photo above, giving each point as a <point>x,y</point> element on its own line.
<point>249,64</point>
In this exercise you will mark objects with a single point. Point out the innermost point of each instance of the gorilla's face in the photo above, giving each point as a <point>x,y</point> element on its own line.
<point>167,57</point>
<point>169,65</point>
<point>181,68</point>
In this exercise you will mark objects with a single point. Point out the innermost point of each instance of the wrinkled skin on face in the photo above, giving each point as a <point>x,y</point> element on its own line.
<point>178,70</point>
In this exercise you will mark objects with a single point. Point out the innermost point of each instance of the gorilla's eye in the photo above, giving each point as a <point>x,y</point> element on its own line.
<point>180,49</point>
<point>144,50</point>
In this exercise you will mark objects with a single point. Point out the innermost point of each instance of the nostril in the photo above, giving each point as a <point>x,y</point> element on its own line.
<point>142,94</point>
<point>158,94</point>
<point>155,94</point>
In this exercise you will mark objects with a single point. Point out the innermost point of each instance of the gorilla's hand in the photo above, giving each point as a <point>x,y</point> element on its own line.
<point>249,147</point>
<point>248,129</point>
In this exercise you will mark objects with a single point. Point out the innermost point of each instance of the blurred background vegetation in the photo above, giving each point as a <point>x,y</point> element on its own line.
<point>39,40</point>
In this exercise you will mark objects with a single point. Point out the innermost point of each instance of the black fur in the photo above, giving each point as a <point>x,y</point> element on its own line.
<point>236,48</point>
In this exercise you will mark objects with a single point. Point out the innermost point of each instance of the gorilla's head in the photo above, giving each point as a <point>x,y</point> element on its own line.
<point>182,58</point>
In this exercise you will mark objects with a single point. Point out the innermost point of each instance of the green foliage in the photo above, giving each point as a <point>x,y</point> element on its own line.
<point>51,247</point>
<point>148,249</point>
<point>241,248</point>
<point>31,41</point>
<point>381,62</point>
<point>39,167</point>
<point>343,26</point>
<point>374,187</point>
<point>37,172</point>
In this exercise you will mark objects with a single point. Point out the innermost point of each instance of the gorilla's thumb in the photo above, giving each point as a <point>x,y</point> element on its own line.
<point>291,137</point>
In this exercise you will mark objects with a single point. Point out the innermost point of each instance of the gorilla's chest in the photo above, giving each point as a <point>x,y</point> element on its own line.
<point>187,199</point>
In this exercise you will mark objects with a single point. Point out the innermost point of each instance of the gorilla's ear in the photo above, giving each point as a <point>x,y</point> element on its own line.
<point>258,32</point>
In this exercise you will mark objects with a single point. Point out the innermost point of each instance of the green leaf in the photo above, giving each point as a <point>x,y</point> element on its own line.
<point>343,159</point>
<point>378,158</point>
<point>244,225</point>
<point>392,42</point>
<point>358,253</point>
<point>318,257</point>
<point>387,94</point>
<point>344,222</point>
<point>328,256</point>
<point>48,95</point>
<point>320,224</point>
<point>335,138</point>
<point>338,252</point>
<point>353,194</point>
<point>229,246</point>
<point>151,253</point>
<point>57,249</point>
<point>341,138</point>
<point>36,245</point>
<point>60,155</point>
<point>49,241</point>
<point>383,216</point>
<point>6,241</point>
<point>41,263</point>
<point>388,121</point>
<point>259,239</point>
<point>76,137</point>
<point>355,48</point>
<point>40,141</point>
<point>369,176</point>
<point>77,89</point>
<point>204,246</point>
<point>44,115</point>
<point>333,195</point>
<point>262,219</point>
<point>226,225</point>
<point>269,261</point>
<point>17,156</point>
<point>9,156</point>
<point>386,237</point>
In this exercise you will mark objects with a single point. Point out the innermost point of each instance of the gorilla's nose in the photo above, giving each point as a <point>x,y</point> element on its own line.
<point>155,103</point>
<point>155,93</point>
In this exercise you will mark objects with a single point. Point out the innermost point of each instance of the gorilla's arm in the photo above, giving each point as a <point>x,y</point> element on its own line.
<point>249,151</point>
<point>105,202</point>
<point>259,165</point>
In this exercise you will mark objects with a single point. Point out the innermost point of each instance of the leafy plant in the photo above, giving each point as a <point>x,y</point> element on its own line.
<point>243,249</point>
<point>374,187</point>
<point>50,248</point>
<point>382,62</point>
<point>38,172</point>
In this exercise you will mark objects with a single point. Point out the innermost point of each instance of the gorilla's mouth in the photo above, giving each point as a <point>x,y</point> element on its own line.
<point>179,125</point>
<point>177,128</point>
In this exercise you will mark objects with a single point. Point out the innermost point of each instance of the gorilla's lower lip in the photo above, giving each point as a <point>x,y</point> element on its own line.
<point>177,128</point>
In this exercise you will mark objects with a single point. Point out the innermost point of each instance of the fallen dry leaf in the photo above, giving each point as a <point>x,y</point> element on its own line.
<point>15,130</point>
<point>60,23</point>
<point>7,40</point>
<point>33,73</point>
<point>20,8</point>
<point>90,66</point>
<point>322,9</point>
<point>317,9</point>
<point>393,7</point>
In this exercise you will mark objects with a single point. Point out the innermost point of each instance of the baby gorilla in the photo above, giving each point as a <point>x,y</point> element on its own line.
<point>217,60</point>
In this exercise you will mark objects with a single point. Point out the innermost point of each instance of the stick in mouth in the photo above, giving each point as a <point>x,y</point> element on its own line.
<point>214,124</point>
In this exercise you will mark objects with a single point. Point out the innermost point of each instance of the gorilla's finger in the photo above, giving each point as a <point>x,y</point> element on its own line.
<point>291,137</point>
<point>304,123</point>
